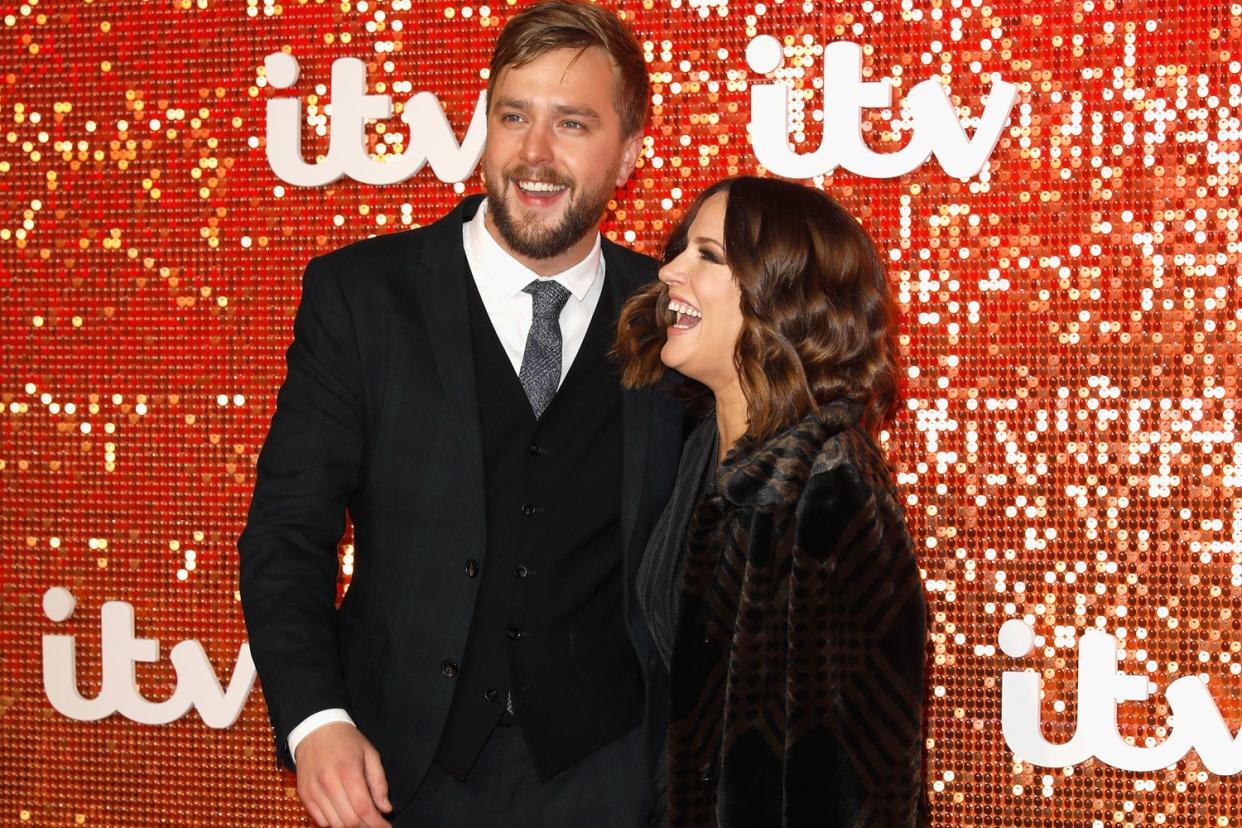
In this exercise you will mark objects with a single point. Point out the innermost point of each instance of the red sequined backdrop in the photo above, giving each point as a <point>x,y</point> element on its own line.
<point>1068,450</point>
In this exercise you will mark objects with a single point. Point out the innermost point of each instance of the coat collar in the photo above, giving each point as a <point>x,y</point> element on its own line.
<point>773,472</point>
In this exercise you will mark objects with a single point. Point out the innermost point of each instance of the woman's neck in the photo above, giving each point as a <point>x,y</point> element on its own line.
<point>732,416</point>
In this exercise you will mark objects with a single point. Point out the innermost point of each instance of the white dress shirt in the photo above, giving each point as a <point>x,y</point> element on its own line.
<point>500,279</point>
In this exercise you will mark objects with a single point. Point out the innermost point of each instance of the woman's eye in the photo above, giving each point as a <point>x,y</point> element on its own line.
<point>709,256</point>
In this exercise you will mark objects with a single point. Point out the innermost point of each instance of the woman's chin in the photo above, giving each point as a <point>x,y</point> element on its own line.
<point>669,356</point>
<point>679,363</point>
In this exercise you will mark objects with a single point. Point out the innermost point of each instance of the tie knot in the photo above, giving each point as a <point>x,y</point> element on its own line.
<point>549,298</point>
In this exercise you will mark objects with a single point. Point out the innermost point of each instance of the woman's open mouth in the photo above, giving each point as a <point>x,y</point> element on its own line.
<point>687,315</point>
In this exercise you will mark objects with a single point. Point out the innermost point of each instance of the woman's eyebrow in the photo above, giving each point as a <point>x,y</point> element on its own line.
<point>708,240</point>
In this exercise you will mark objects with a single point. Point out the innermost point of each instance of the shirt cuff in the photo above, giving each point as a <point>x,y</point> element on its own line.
<point>313,722</point>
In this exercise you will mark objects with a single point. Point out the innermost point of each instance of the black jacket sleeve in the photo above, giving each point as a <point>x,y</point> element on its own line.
<point>308,469</point>
<point>856,648</point>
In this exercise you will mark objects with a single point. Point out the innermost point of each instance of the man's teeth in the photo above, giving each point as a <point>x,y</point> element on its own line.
<point>541,186</point>
<point>681,307</point>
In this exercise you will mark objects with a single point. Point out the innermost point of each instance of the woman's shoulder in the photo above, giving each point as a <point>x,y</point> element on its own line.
<point>828,437</point>
<point>851,457</point>
<point>844,440</point>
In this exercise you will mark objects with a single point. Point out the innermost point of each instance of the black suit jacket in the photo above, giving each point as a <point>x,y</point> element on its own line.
<point>378,414</point>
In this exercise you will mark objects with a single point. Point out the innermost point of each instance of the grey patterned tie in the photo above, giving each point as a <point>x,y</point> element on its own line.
<point>541,361</point>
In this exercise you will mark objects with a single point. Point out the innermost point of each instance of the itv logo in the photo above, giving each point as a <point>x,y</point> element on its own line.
<point>937,129</point>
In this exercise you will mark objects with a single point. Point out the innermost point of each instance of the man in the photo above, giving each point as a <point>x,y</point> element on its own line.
<point>451,387</point>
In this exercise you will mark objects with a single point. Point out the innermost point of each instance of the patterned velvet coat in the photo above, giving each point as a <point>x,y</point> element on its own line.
<point>797,669</point>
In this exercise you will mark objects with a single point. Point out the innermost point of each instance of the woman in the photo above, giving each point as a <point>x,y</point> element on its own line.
<point>780,583</point>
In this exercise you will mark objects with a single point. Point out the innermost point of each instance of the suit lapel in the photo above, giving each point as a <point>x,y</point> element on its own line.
<point>635,415</point>
<point>440,283</point>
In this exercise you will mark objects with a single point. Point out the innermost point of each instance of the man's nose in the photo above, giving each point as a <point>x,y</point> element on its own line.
<point>537,146</point>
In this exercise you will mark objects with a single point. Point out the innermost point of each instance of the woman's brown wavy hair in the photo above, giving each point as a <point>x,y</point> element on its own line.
<point>818,318</point>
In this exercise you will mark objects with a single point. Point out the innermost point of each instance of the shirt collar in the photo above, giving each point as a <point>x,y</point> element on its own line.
<point>512,276</point>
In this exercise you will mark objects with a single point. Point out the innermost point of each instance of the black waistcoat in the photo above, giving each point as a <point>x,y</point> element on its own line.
<point>548,623</point>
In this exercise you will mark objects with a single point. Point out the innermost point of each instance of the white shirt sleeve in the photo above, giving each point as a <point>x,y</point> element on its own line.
<point>313,722</point>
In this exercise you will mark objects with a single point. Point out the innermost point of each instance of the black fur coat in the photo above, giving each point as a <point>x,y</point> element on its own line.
<point>797,668</point>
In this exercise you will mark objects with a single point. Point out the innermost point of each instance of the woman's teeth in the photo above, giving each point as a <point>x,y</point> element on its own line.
<point>678,306</point>
<point>687,315</point>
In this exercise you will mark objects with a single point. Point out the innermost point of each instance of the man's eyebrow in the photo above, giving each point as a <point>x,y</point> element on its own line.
<point>511,103</point>
<point>584,112</point>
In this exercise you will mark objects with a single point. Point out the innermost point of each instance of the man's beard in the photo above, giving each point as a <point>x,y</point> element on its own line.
<point>528,237</point>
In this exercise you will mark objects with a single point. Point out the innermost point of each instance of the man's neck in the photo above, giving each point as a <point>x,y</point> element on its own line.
<point>544,267</point>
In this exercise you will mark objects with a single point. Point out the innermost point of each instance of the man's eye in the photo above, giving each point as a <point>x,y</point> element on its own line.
<point>574,125</point>
<point>510,118</point>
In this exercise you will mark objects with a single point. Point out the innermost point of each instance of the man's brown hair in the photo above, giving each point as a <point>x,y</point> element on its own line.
<point>577,24</point>
<point>818,317</point>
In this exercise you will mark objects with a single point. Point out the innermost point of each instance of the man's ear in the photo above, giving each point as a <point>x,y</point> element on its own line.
<point>630,151</point>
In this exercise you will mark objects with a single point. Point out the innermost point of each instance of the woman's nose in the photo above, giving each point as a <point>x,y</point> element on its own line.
<point>671,273</point>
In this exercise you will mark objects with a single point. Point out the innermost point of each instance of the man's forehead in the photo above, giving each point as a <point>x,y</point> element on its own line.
<point>568,59</point>
<point>575,84</point>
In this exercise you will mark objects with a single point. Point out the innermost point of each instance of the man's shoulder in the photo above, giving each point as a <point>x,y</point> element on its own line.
<point>629,264</point>
<point>396,252</point>
<point>376,252</point>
